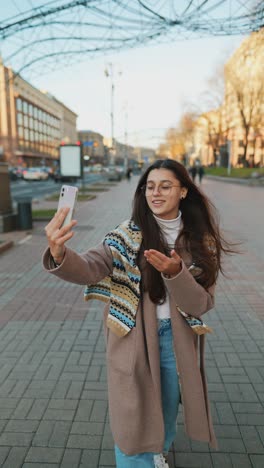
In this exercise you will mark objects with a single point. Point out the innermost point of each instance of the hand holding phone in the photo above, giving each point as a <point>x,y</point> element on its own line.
<point>59,229</point>
<point>68,197</point>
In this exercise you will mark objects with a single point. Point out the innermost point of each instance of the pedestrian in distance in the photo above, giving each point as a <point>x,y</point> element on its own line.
<point>157,273</point>
<point>200,173</point>
<point>193,172</point>
<point>128,173</point>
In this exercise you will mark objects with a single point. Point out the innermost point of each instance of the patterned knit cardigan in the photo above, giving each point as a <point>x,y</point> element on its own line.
<point>122,287</point>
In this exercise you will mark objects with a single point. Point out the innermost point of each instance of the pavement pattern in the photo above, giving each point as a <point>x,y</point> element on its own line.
<point>53,389</point>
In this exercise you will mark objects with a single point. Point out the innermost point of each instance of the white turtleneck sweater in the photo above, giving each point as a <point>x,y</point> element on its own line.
<point>170,229</point>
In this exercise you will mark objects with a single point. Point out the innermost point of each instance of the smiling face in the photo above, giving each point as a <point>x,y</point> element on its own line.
<point>163,193</point>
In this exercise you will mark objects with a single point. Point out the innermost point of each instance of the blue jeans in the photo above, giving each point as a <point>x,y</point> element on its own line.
<point>170,391</point>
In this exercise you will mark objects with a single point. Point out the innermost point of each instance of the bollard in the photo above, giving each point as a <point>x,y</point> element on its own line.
<point>24,214</point>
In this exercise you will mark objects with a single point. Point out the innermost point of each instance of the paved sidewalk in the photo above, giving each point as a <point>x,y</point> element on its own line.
<point>53,390</point>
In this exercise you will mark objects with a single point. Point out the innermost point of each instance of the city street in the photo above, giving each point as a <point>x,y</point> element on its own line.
<point>53,389</point>
<point>38,189</point>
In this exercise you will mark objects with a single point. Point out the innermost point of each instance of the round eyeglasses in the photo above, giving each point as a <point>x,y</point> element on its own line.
<point>163,189</point>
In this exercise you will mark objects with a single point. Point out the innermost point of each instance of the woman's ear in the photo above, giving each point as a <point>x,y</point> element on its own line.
<point>184,193</point>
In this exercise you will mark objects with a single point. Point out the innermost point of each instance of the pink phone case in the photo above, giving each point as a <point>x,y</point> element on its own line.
<point>68,197</point>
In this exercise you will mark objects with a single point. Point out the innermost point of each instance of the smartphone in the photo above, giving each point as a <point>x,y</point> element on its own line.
<point>68,197</point>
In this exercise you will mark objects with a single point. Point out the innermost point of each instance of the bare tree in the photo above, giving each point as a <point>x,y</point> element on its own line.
<point>179,140</point>
<point>245,88</point>
<point>210,110</point>
<point>175,143</point>
<point>214,129</point>
<point>214,95</point>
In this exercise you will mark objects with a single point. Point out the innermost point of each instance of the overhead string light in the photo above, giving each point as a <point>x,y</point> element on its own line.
<point>60,33</point>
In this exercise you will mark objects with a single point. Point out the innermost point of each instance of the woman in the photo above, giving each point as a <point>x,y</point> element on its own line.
<point>157,273</point>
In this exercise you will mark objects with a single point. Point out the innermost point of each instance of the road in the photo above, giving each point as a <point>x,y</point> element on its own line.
<point>38,189</point>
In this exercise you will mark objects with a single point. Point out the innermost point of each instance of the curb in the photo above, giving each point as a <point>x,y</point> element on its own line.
<point>5,246</point>
<point>41,219</point>
<point>232,180</point>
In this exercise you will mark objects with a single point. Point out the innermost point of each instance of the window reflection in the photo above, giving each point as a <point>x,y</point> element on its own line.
<point>19,104</point>
<point>19,119</point>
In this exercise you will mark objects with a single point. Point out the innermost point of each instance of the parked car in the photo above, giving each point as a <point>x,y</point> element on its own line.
<point>96,168</point>
<point>12,173</point>
<point>48,170</point>
<point>115,172</point>
<point>35,173</point>
<point>87,169</point>
<point>15,172</point>
<point>121,170</point>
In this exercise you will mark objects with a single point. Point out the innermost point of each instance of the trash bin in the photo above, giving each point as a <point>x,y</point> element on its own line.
<point>24,213</point>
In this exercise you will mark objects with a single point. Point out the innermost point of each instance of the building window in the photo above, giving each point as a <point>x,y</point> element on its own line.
<point>19,104</point>
<point>19,119</point>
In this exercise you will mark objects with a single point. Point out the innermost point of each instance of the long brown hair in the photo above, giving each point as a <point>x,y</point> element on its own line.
<point>200,234</point>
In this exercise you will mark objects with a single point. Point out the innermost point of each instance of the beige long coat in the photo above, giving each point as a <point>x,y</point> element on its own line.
<point>133,361</point>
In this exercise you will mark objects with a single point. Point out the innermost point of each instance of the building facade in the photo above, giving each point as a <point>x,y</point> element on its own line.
<point>94,149</point>
<point>236,129</point>
<point>32,122</point>
<point>243,108</point>
<point>99,149</point>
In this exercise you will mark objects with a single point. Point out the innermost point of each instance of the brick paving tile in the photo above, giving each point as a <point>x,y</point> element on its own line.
<point>53,389</point>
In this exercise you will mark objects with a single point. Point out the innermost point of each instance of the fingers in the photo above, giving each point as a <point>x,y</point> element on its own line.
<point>65,229</point>
<point>175,256</point>
<point>55,235</point>
<point>152,253</point>
<point>55,224</point>
<point>157,259</point>
<point>161,262</point>
<point>57,219</point>
<point>61,240</point>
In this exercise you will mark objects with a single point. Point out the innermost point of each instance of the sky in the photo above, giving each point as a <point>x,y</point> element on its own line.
<point>153,84</point>
<point>152,87</point>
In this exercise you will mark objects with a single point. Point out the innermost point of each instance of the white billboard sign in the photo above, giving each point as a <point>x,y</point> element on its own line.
<point>71,161</point>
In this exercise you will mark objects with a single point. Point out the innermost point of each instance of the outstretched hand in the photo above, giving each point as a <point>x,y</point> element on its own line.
<point>57,235</point>
<point>170,266</point>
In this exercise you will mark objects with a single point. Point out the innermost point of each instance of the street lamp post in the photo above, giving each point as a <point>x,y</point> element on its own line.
<point>109,73</point>
<point>229,152</point>
<point>126,148</point>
